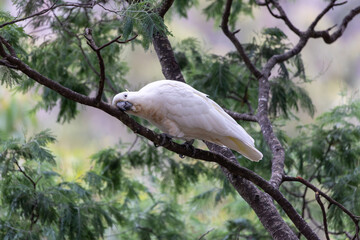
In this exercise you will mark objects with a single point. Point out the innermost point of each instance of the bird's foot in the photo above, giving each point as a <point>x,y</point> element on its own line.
<point>189,146</point>
<point>165,138</point>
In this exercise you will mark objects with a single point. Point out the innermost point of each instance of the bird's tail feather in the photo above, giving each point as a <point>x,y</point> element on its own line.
<point>247,150</point>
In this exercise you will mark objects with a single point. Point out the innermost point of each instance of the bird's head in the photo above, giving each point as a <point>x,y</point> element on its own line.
<point>125,101</point>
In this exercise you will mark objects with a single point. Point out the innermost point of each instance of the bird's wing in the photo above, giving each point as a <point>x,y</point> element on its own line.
<point>199,117</point>
<point>194,111</point>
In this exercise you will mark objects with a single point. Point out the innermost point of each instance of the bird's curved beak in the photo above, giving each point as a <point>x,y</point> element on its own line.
<point>124,105</point>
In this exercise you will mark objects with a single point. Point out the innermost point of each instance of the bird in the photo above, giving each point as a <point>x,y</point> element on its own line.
<point>180,111</point>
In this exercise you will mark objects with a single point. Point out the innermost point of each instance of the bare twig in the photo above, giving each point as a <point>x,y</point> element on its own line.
<point>90,41</point>
<point>282,16</point>
<point>322,228</point>
<point>54,6</point>
<point>241,116</point>
<point>8,47</point>
<point>7,64</point>
<point>117,40</point>
<point>317,197</point>
<point>330,38</point>
<point>34,217</point>
<point>321,15</point>
<point>202,236</point>
<point>87,60</point>
<point>353,217</point>
<point>24,173</point>
<point>236,42</point>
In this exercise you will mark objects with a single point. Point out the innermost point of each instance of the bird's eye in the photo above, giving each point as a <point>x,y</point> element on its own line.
<point>125,95</point>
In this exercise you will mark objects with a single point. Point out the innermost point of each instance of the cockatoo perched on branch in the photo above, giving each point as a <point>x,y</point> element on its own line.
<point>182,112</point>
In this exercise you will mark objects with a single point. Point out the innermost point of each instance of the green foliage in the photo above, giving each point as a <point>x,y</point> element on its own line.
<point>216,8</point>
<point>13,34</point>
<point>36,203</point>
<point>146,193</point>
<point>328,152</point>
<point>182,6</point>
<point>229,82</point>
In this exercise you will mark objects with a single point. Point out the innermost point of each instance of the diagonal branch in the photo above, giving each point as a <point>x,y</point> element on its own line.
<point>324,215</point>
<point>241,116</point>
<point>117,40</point>
<point>90,41</point>
<point>87,60</point>
<point>236,42</point>
<point>282,15</point>
<point>330,38</point>
<point>164,7</point>
<point>354,218</point>
<point>44,11</point>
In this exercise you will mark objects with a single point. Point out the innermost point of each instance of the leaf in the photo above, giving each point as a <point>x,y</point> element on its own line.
<point>128,27</point>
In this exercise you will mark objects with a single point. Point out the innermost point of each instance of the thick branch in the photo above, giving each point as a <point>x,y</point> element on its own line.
<point>259,201</point>
<point>278,152</point>
<point>164,7</point>
<point>169,66</point>
<point>245,189</point>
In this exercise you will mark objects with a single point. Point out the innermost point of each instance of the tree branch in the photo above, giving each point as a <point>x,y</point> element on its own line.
<point>42,12</point>
<point>330,38</point>
<point>117,40</point>
<point>34,216</point>
<point>241,116</point>
<point>353,217</point>
<point>317,197</point>
<point>282,16</point>
<point>90,41</point>
<point>236,42</point>
<point>164,7</point>
<point>79,44</point>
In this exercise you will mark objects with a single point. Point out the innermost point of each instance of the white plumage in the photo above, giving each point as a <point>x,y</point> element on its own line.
<point>183,112</point>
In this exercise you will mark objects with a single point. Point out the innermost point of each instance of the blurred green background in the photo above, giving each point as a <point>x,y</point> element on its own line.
<point>334,69</point>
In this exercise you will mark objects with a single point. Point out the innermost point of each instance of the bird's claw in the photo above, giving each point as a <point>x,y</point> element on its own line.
<point>189,146</point>
<point>164,139</point>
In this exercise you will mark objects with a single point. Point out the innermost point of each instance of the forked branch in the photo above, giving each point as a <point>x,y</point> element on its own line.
<point>354,218</point>
<point>91,42</point>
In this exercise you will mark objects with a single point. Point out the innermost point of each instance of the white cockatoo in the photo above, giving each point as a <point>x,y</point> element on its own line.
<point>181,111</point>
